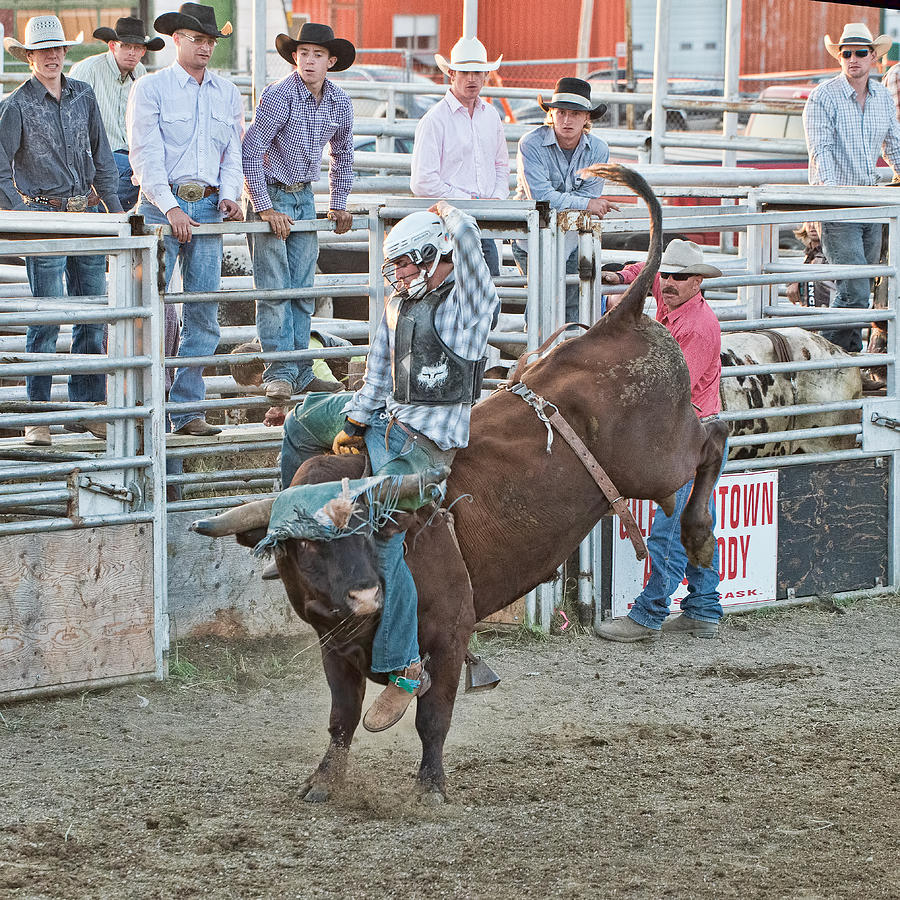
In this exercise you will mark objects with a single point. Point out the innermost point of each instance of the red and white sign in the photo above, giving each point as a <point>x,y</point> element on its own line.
<point>747,533</point>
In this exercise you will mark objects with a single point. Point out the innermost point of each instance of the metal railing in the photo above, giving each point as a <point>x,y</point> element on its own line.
<point>747,297</point>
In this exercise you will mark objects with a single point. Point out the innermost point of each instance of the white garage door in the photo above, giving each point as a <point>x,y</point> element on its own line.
<point>696,36</point>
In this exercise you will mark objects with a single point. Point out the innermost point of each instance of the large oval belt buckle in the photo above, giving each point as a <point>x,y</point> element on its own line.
<point>191,192</point>
<point>76,204</point>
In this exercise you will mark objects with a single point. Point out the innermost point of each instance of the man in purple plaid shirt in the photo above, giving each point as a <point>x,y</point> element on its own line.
<point>282,156</point>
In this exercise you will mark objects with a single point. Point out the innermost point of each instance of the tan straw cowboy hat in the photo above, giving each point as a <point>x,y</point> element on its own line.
<point>686,258</point>
<point>41,33</point>
<point>858,34</point>
<point>467,55</point>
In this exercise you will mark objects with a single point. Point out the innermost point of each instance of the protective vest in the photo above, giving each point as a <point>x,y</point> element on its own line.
<point>426,370</point>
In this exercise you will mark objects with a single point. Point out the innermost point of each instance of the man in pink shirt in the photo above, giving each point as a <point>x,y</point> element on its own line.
<point>681,308</point>
<point>460,146</point>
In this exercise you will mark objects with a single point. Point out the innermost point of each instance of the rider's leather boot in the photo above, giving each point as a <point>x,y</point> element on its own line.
<point>392,702</point>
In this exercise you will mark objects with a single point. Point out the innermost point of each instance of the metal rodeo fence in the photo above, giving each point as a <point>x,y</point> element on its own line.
<point>82,525</point>
<point>748,298</point>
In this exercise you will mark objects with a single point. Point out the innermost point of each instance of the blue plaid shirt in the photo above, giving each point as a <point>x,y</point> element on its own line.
<point>288,134</point>
<point>463,321</point>
<point>845,141</point>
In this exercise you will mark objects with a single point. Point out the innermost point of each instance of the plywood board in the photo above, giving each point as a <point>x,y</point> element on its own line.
<point>75,606</point>
<point>215,587</point>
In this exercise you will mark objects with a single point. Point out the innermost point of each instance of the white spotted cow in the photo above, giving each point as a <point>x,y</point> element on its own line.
<point>786,389</point>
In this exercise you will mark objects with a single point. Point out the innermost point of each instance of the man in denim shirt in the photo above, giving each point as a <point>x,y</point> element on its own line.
<point>55,157</point>
<point>549,160</point>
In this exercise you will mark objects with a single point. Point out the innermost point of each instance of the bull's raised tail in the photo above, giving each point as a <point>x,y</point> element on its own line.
<point>631,306</point>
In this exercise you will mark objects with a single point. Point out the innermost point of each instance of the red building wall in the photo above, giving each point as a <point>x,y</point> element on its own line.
<point>777,35</point>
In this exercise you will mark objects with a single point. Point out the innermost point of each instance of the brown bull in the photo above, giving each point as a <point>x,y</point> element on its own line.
<point>624,388</point>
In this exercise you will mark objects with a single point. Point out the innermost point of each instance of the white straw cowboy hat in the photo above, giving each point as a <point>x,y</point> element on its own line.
<point>686,258</point>
<point>858,34</point>
<point>467,55</point>
<point>41,33</point>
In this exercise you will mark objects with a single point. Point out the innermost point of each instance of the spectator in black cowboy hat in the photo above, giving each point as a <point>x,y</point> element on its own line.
<point>112,75</point>
<point>54,157</point>
<point>549,160</point>
<point>184,128</point>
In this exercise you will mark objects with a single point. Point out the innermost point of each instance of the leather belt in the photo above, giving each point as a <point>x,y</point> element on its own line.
<point>290,188</point>
<point>68,204</point>
<point>191,191</point>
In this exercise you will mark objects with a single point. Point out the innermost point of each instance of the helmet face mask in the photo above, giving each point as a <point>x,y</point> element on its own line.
<point>422,239</point>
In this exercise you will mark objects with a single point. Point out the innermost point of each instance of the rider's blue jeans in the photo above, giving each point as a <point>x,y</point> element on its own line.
<point>311,432</point>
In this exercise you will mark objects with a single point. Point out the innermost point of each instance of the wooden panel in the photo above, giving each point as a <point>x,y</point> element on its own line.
<point>75,606</point>
<point>514,614</point>
<point>832,527</point>
<point>215,588</point>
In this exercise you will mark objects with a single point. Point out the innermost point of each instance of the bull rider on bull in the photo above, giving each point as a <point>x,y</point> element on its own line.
<point>691,321</point>
<point>423,374</point>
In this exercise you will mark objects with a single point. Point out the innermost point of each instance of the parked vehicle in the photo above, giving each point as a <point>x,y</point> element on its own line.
<point>406,106</point>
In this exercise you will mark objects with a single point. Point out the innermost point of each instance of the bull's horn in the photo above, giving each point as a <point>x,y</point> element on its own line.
<point>241,518</point>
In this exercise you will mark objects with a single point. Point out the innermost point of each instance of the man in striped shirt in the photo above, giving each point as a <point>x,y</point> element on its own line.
<point>112,75</point>
<point>282,157</point>
<point>413,409</point>
<point>850,121</point>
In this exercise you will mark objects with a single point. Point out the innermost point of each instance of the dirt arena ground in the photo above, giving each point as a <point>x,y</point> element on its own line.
<point>762,765</point>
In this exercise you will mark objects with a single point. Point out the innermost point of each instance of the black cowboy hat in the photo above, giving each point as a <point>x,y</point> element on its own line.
<point>323,35</point>
<point>572,93</point>
<point>192,17</point>
<point>129,31</point>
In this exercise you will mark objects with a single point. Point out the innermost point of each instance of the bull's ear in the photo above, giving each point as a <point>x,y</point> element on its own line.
<point>402,521</point>
<point>250,538</point>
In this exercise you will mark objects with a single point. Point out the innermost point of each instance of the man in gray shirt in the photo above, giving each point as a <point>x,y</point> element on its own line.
<point>55,157</point>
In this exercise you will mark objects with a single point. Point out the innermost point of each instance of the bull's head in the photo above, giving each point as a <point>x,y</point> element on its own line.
<point>323,537</point>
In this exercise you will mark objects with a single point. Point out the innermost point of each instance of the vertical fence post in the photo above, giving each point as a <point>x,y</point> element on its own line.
<point>660,82</point>
<point>153,393</point>
<point>893,563</point>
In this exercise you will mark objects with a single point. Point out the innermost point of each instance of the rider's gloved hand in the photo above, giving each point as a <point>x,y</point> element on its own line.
<point>350,439</point>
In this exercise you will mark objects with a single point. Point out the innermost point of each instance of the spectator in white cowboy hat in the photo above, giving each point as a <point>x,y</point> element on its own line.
<point>690,320</point>
<point>282,157</point>
<point>460,146</point>
<point>549,161</point>
<point>851,121</point>
<point>112,75</point>
<point>184,128</point>
<point>55,157</point>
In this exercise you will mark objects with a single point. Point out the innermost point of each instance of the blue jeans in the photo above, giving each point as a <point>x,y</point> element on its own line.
<point>85,276</point>
<point>309,430</point>
<point>128,192</point>
<point>491,256</point>
<point>283,325</point>
<point>669,566</point>
<point>201,271</point>
<point>521,257</point>
<point>850,243</point>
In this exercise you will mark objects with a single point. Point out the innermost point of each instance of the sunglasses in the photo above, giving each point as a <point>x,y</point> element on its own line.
<point>678,276</point>
<point>862,54</point>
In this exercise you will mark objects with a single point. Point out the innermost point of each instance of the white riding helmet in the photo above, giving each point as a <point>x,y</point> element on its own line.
<point>423,238</point>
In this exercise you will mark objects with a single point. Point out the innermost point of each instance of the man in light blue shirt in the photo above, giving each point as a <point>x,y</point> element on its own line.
<point>184,128</point>
<point>850,121</point>
<point>549,160</point>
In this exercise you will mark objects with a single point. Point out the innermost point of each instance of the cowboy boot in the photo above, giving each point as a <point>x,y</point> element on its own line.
<point>392,702</point>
